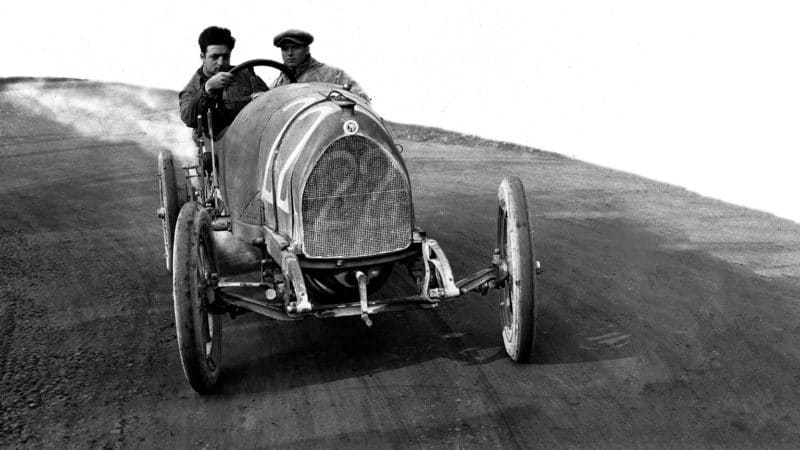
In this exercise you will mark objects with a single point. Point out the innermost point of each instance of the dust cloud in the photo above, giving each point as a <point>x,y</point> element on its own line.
<point>110,112</point>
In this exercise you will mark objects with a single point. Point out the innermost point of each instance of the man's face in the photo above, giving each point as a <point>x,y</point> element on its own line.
<point>294,54</point>
<point>216,58</point>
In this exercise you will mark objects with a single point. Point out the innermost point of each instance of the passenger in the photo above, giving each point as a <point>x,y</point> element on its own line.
<point>296,54</point>
<point>212,87</point>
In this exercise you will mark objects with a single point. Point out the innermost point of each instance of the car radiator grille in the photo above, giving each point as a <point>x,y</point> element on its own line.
<point>356,202</point>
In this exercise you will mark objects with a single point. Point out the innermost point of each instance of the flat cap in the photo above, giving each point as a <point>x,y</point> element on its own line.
<point>299,37</point>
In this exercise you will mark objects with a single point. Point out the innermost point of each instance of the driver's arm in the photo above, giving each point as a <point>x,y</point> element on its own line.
<point>196,97</point>
<point>194,101</point>
<point>218,82</point>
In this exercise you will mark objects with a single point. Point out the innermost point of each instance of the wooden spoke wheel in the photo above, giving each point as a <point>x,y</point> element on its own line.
<point>199,330</point>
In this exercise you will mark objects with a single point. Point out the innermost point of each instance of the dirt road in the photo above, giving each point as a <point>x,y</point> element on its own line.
<point>666,318</point>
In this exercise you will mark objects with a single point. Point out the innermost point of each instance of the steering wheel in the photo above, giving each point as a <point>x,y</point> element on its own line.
<point>265,62</point>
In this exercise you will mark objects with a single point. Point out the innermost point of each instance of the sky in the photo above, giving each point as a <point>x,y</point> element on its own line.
<point>700,94</point>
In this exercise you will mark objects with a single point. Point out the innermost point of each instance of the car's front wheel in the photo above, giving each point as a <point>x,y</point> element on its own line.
<point>518,292</point>
<point>199,330</point>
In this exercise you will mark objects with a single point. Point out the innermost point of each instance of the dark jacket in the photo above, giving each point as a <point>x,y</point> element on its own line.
<point>194,100</point>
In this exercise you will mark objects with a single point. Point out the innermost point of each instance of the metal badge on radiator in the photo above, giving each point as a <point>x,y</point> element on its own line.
<point>350,127</point>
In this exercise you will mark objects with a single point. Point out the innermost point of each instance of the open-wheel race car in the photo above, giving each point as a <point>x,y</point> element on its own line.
<point>303,208</point>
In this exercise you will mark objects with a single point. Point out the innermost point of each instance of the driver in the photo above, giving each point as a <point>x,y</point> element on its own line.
<point>212,87</point>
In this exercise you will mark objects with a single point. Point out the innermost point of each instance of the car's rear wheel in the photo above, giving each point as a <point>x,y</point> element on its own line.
<point>518,292</point>
<point>199,330</point>
<point>170,206</point>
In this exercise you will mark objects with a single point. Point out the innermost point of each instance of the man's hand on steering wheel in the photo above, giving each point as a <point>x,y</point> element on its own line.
<point>222,80</point>
<point>219,82</point>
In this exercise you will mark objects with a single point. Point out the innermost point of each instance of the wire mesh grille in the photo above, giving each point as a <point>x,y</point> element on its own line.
<point>356,202</point>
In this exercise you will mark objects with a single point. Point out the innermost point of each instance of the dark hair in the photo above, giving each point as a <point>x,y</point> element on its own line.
<point>215,36</point>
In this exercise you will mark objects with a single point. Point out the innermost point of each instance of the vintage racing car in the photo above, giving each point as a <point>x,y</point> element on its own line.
<point>304,208</point>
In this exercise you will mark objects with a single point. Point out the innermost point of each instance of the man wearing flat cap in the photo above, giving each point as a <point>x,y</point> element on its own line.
<point>296,54</point>
<point>212,87</point>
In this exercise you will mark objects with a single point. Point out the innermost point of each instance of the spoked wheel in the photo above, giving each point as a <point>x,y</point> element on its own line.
<point>199,330</point>
<point>170,206</point>
<point>518,293</point>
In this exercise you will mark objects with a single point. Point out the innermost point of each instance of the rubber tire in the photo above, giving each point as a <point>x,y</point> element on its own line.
<point>518,295</point>
<point>168,194</point>
<point>196,327</point>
